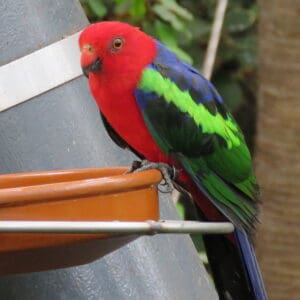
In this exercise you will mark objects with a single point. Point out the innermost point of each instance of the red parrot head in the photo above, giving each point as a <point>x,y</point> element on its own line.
<point>113,48</point>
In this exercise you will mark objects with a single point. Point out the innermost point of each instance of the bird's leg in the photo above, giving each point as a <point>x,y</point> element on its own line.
<point>168,172</point>
<point>136,164</point>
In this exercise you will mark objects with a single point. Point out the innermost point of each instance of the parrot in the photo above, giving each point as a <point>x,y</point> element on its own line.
<point>166,112</point>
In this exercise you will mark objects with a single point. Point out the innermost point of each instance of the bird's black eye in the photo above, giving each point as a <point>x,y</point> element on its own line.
<point>117,44</point>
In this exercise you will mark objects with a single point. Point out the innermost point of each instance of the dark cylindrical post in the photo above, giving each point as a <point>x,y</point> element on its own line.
<point>62,129</point>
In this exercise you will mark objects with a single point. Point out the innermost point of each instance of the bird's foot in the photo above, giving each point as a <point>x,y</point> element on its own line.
<point>168,172</point>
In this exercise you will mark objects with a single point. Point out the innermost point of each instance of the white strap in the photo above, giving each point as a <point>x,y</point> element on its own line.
<point>39,72</point>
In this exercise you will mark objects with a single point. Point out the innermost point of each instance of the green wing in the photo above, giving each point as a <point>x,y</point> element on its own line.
<point>204,138</point>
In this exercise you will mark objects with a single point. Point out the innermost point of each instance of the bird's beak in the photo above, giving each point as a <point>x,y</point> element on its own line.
<point>95,66</point>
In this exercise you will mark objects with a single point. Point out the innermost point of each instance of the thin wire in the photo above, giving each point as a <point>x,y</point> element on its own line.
<point>215,35</point>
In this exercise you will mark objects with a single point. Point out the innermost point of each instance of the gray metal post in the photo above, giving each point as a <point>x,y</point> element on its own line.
<point>62,129</point>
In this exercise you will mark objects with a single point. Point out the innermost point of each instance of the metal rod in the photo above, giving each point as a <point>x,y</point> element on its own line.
<point>115,227</point>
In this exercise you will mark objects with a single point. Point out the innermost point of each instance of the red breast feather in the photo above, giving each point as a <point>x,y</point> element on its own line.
<point>113,87</point>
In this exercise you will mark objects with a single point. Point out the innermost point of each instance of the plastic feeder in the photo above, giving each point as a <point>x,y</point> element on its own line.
<point>63,218</point>
<point>71,195</point>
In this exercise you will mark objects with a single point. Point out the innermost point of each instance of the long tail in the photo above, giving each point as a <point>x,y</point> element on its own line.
<point>251,265</point>
<point>231,259</point>
<point>234,267</point>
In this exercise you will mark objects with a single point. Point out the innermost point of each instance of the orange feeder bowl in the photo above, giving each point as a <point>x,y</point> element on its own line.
<point>71,195</point>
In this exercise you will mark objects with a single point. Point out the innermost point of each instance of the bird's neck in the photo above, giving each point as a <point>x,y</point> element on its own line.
<point>115,98</point>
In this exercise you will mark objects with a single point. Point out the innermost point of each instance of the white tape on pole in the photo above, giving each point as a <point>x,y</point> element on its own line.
<point>39,72</point>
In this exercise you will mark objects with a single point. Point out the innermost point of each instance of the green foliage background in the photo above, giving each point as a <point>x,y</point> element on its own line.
<point>184,26</point>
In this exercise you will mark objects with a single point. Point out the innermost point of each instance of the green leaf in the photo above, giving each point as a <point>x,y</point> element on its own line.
<point>182,54</point>
<point>200,29</point>
<point>122,8</point>
<point>231,91</point>
<point>138,8</point>
<point>238,19</point>
<point>173,6</point>
<point>149,28</point>
<point>165,33</point>
<point>181,210</point>
<point>168,16</point>
<point>168,36</point>
<point>198,242</point>
<point>119,1</point>
<point>87,9</point>
<point>246,50</point>
<point>97,7</point>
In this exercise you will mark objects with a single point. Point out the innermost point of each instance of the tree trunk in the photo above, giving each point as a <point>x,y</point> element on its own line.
<point>278,147</point>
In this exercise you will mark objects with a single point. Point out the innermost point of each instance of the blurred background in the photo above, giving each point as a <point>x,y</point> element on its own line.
<point>257,72</point>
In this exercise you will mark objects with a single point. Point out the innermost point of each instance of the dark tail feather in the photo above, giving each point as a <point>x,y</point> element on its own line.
<point>251,265</point>
<point>234,267</point>
<point>227,268</point>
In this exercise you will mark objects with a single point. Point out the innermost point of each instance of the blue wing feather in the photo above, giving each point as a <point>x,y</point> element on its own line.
<point>185,76</point>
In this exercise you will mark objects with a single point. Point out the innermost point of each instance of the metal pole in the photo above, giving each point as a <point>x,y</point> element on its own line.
<point>150,227</point>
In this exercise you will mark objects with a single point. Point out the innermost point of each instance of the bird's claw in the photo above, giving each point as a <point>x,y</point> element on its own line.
<point>168,172</point>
